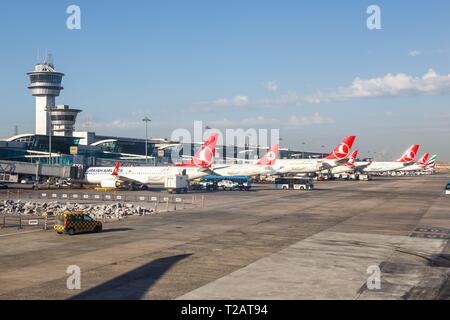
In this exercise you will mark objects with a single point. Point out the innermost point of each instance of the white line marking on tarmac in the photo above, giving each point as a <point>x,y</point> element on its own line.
<point>16,233</point>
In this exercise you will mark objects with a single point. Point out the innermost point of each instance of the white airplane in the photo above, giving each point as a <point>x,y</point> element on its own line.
<point>383,166</point>
<point>418,166</point>
<point>263,167</point>
<point>349,167</point>
<point>337,157</point>
<point>432,162</point>
<point>115,177</point>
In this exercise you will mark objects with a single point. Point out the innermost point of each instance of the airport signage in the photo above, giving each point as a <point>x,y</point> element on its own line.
<point>74,150</point>
<point>33,222</point>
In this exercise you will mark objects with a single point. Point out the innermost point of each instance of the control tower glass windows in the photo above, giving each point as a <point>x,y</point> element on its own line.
<point>63,118</point>
<point>48,78</point>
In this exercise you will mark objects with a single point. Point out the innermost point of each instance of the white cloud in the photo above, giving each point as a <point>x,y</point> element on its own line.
<point>316,118</point>
<point>221,102</point>
<point>205,106</point>
<point>391,85</point>
<point>261,121</point>
<point>414,53</point>
<point>240,101</point>
<point>271,86</point>
<point>115,124</point>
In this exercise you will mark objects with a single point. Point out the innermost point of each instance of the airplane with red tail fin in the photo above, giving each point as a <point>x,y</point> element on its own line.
<point>419,165</point>
<point>262,167</point>
<point>205,156</point>
<point>119,176</point>
<point>407,159</point>
<point>337,157</point>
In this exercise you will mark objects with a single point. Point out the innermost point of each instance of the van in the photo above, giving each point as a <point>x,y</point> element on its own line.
<point>76,222</point>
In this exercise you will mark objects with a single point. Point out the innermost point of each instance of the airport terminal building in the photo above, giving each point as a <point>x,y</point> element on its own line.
<point>56,141</point>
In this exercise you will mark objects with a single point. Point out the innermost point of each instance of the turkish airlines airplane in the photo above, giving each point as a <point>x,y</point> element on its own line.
<point>419,165</point>
<point>347,167</point>
<point>406,160</point>
<point>263,167</point>
<point>336,158</point>
<point>115,177</point>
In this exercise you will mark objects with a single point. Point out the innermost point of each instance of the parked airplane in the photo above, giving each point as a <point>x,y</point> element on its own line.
<point>383,166</point>
<point>263,167</point>
<point>336,158</point>
<point>347,167</point>
<point>432,162</point>
<point>418,166</point>
<point>115,177</point>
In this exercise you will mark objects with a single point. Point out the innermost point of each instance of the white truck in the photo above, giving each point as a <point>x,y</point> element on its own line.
<point>176,184</point>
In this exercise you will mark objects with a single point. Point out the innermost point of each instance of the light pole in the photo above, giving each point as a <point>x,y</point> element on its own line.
<point>303,150</point>
<point>146,120</point>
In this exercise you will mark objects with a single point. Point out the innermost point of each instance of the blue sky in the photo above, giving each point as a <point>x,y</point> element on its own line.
<point>290,65</point>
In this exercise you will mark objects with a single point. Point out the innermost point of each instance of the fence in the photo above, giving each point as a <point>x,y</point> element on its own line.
<point>164,203</point>
<point>21,222</point>
<point>105,197</point>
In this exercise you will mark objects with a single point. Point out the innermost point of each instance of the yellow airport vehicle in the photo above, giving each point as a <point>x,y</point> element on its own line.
<point>105,189</point>
<point>76,222</point>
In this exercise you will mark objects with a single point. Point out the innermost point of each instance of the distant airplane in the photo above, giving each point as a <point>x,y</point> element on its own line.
<point>418,166</point>
<point>349,167</point>
<point>339,156</point>
<point>406,160</point>
<point>115,177</point>
<point>263,167</point>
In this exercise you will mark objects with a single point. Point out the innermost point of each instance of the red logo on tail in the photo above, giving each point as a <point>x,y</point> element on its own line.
<point>116,169</point>
<point>270,157</point>
<point>410,155</point>
<point>351,161</point>
<point>424,160</point>
<point>342,151</point>
<point>205,156</point>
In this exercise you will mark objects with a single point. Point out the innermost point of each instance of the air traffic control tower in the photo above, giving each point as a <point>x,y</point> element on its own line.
<point>45,85</point>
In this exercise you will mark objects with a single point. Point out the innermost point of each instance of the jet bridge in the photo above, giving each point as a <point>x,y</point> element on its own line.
<point>35,169</point>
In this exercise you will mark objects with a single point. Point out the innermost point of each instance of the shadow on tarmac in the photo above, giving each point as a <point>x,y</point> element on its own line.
<point>134,284</point>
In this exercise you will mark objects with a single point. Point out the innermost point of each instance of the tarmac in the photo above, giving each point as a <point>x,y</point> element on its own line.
<point>261,244</point>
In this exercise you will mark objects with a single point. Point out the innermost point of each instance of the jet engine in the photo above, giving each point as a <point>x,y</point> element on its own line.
<point>110,184</point>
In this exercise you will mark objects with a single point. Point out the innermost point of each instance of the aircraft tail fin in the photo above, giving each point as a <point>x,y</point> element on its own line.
<point>270,157</point>
<point>116,169</point>
<point>342,151</point>
<point>410,154</point>
<point>424,160</point>
<point>205,156</point>
<point>352,160</point>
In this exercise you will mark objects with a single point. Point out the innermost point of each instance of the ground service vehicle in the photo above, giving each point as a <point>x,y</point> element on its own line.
<point>447,188</point>
<point>176,184</point>
<point>294,183</point>
<point>227,185</point>
<point>76,222</point>
<point>239,182</point>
